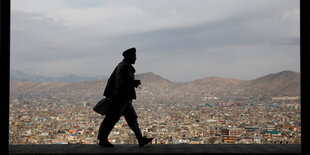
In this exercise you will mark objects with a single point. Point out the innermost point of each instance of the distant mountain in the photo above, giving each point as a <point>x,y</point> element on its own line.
<point>286,82</point>
<point>213,86</point>
<point>153,79</point>
<point>282,83</point>
<point>150,77</point>
<point>281,76</point>
<point>16,75</point>
<point>155,87</point>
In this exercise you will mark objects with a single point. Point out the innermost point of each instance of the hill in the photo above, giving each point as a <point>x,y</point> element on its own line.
<point>283,83</point>
<point>155,87</point>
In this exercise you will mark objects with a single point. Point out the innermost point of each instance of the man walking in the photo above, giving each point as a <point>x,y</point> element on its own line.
<point>121,88</point>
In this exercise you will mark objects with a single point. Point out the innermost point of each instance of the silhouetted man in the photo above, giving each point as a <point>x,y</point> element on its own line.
<point>121,88</point>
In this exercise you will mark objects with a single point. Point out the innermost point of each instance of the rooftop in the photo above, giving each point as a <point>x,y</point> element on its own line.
<point>156,149</point>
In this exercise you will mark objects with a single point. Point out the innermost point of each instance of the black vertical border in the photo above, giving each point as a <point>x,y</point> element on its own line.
<point>5,71</point>
<point>304,70</point>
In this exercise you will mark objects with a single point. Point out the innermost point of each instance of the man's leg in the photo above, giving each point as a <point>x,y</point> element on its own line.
<point>131,118</point>
<point>111,118</point>
<point>106,126</point>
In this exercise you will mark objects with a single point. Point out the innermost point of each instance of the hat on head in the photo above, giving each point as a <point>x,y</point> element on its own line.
<point>129,52</point>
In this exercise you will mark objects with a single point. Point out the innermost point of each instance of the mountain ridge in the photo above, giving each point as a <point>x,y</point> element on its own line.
<point>16,75</point>
<point>285,83</point>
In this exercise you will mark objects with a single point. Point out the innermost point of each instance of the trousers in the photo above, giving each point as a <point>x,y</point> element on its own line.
<point>117,109</point>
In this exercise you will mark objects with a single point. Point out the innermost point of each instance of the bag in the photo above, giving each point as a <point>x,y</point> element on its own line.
<point>103,105</point>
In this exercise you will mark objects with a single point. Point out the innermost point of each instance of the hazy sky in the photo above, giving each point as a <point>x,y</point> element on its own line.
<point>181,40</point>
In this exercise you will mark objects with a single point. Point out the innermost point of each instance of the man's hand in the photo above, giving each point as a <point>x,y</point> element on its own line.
<point>137,83</point>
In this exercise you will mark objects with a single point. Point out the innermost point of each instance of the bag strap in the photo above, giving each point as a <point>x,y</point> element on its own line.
<point>110,84</point>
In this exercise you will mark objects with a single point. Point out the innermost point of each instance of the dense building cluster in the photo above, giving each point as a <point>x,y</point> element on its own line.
<point>202,120</point>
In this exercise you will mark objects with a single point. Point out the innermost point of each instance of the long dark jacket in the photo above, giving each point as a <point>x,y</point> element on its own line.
<point>121,82</point>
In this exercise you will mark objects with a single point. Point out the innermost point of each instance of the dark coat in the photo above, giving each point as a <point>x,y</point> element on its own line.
<point>122,82</point>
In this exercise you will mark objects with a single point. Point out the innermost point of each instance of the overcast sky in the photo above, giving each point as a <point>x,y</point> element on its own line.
<point>181,40</point>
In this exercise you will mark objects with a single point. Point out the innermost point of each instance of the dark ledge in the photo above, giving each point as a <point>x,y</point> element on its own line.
<point>156,148</point>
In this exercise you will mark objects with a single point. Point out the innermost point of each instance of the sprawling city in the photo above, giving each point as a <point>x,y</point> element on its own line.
<point>194,118</point>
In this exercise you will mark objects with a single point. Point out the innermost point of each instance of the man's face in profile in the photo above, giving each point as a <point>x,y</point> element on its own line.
<point>133,59</point>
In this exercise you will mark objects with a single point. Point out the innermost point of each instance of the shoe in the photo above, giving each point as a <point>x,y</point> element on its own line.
<point>143,141</point>
<point>105,143</point>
